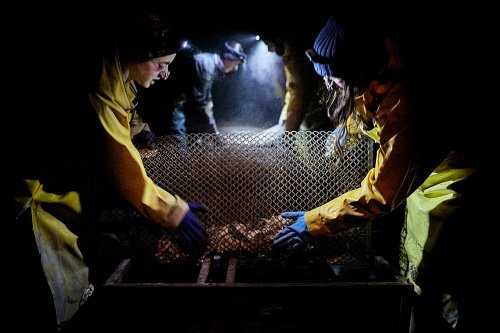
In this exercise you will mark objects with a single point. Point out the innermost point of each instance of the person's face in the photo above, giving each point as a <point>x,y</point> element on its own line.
<point>231,65</point>
<point>332,80</point>
<point>146,73</point>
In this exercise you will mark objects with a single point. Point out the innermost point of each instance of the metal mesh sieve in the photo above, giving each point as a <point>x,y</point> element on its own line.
<point>246,180</point>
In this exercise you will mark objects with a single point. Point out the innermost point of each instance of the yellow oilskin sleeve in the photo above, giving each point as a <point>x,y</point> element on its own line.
<point>113,105</point>
<point>62,261</point>
<point>397,172</point>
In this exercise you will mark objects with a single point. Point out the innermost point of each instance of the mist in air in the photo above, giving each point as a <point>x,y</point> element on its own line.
<point>252,98</point>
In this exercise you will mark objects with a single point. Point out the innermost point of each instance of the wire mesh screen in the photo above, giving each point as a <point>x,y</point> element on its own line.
<point>246,180</point>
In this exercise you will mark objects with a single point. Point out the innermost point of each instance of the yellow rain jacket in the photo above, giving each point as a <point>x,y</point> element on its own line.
<point>56,212</point>
<point>302,110</point>
<point>402,170</point>
<point>395,175</point>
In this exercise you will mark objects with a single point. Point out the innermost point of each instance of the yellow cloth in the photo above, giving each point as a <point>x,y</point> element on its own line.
<point>403,171</point>
<point>302,110</point>
<point>113,105</point>
<point>428,209</point>
<point>395,175</point>
<point>55,210</point>
<point>62,261</point>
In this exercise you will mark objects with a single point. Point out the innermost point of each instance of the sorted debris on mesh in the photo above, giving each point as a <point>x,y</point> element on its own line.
<point>256,238</point>
<point>245,179</point>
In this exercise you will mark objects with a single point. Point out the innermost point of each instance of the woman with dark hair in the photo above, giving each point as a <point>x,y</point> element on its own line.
<point>422,160</point>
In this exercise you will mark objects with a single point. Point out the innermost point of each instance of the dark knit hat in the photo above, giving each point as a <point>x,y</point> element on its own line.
<point>233,51</point>
<point>148,37</point>
<point>346,50</point>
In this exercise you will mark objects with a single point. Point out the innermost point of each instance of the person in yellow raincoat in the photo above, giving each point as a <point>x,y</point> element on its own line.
<point>301,110</point>
<point>82,159</point>
<point>388,87</point>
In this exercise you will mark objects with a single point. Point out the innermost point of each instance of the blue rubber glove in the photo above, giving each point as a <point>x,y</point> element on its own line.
<point>144,139</point>
<point>295,236</point>
<point>193,234</point>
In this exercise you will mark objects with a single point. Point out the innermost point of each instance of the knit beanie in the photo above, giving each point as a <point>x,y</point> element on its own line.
<point>233,51</point>
<point>147,36</point>
<point>348,49</point>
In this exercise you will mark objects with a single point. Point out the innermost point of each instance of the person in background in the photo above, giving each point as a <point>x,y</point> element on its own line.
<point>302,110</point>
<point>81,160</point>
<point>190,104</point>
<point>396,88</point>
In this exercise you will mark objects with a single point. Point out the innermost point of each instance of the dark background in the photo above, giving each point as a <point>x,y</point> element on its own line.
<point>51,45</point>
